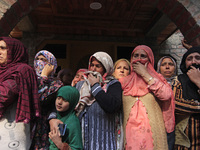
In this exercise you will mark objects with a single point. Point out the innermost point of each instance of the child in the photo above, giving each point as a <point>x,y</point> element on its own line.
<point>67,99</point>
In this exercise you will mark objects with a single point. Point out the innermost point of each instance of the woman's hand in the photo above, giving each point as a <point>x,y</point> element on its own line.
<point>47,70</point>
<point>92,79</point>
<point>54,123</point>
<point>54,135</point>
<point>185,44</point>
<point>194,75</point>
<point>140,69</point>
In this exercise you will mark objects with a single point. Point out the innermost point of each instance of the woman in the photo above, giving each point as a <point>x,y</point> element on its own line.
<point>45,65</point>
<point>66,76</point>
<point>147,103</point>
<point>98,117</point>
<point>19,105</point>
<point>122,68</point>
<point>79,76</point>
<point>168,68</point>
<point>186,88</point>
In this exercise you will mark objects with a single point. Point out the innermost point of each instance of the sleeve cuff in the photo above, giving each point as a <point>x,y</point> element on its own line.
<point>52,116</point>
<point>96,88</point>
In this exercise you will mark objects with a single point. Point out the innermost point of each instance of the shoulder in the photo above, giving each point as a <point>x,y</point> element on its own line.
<point>113,83</point>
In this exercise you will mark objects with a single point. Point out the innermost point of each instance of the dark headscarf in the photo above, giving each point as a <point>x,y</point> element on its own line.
<point>189,88</point>
<point>69,76</point>
<point>25,77</point>
<point>190,51</point>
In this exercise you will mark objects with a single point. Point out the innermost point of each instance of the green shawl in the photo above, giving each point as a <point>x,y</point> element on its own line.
<point>73,133</point>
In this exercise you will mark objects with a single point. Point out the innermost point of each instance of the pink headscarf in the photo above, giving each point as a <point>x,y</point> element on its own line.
<point>134,84</point>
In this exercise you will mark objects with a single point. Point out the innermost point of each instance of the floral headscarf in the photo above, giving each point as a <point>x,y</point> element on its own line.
<point>39,65</point>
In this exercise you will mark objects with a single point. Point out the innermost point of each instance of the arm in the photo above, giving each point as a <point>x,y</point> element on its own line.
<point>111,100</point>
<point>160,89</point>
<point>57,140</point>
<point>184,106</point>
<point>8,91</point>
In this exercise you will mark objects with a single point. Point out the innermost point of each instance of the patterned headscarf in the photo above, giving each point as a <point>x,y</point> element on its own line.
<point>39,65</point>
<point>26,79</point>
<point>106,61</point>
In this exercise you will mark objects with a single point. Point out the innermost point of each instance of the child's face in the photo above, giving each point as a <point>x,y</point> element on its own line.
<point>61,104</point>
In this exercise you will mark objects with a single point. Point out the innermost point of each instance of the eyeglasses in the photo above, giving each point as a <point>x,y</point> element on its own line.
<point>3,47</point>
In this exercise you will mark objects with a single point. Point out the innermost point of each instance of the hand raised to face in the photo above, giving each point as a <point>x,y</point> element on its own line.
<point>47,70</point>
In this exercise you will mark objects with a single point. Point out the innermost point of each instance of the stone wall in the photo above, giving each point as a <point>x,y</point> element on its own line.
<point>173,46</point>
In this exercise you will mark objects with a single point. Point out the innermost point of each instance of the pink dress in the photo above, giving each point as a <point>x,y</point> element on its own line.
<point>138,129</point>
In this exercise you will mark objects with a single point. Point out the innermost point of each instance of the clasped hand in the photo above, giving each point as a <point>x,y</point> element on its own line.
<point>92,79</point>
<point>194,75</point>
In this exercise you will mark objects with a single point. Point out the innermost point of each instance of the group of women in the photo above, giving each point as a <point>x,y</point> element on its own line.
<point>131,106</point>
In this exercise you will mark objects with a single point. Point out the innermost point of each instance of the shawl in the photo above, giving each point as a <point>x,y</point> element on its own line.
<point>25,77</point>
<point>107,62</point>
<point>134,84</point>
<point>47,85</point>
<point>39,65</point>
<point>81,70</point>
<point>73,135</point>
<point>189,88</point>
<point>169,80</point>
<point>85,92</point>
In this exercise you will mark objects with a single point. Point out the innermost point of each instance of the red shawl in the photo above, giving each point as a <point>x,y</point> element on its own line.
<point>24,75</point>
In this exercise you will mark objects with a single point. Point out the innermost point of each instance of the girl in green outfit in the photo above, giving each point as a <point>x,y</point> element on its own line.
<point>67,98</point>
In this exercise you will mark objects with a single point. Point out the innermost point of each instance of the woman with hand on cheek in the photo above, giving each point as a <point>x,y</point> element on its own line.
<point>45,65</point>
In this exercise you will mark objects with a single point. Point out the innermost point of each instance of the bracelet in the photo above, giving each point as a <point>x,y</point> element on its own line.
<point>198,91</point>
<point>149,79</point>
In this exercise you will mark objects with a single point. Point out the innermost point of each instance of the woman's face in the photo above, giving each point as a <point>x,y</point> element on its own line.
<point>42,58</point>
<point>167,68</point>
<point>121,69</point>
<point>96,66</point>
<point>193,58</point>
<point>78,77</point>
<point>3,53</point>
<point>140,54</point>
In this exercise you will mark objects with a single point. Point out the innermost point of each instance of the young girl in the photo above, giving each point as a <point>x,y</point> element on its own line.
<point>66,100</point>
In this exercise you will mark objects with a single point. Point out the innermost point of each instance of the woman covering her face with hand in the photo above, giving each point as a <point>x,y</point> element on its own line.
<point>98,116</point>
<point>19,102</point>
<point>45,65</point>
<point>147,103</point>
